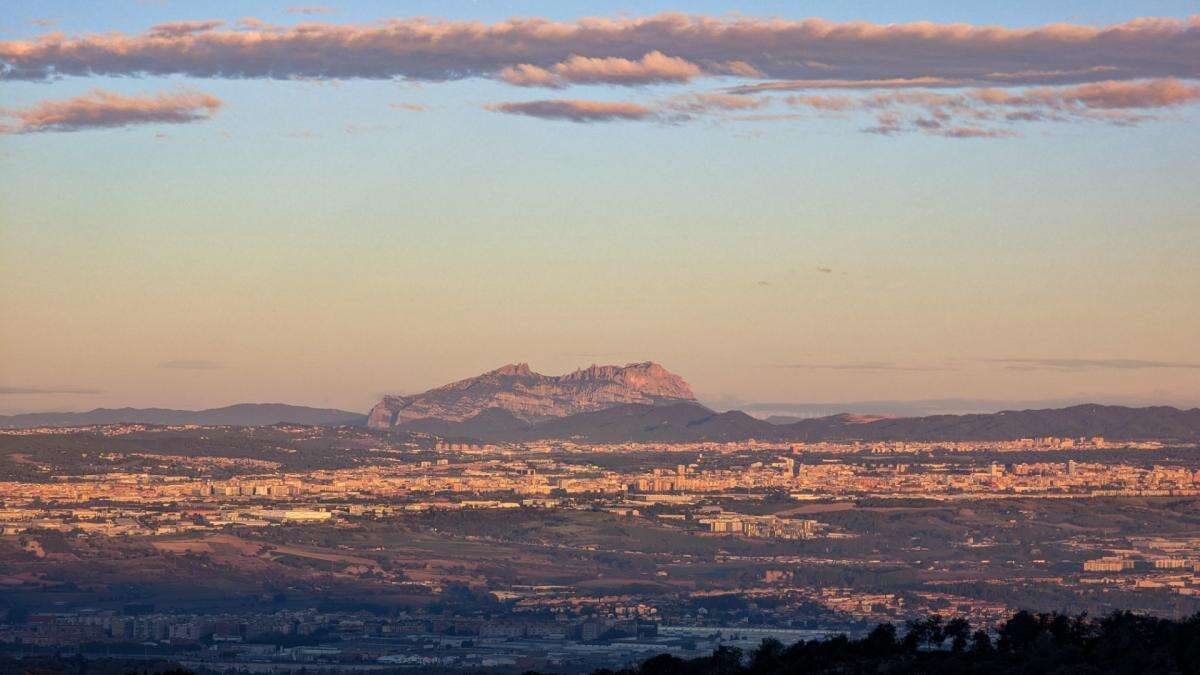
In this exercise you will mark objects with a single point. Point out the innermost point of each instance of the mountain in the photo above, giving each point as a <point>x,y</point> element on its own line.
<point>242,414</point>
<point>514,391</point>
<point>848,418</point>
<point>1110,421</point>
<point>675,422</point>
<point>688,421</point>
<point>678,423</point>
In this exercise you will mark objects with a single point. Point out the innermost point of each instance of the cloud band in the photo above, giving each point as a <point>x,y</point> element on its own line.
<point>812,49</point>
<point>104,109</point>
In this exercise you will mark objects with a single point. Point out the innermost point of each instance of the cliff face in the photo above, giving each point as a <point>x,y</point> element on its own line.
<point>532,397</point>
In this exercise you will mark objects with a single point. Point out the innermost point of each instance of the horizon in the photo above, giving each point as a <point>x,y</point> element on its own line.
<point>759,409</point>
<point>719,403</point>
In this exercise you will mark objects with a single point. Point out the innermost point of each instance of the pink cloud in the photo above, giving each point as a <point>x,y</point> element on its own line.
<point>707,103</point>
<point>826,103</point>
<point>178,29</point>
<point>102,109</point>
<point>966,113</point>
<point>890,83</point>
<point>738,68</point>
<point>959,114</point>
<point>310,10</point>
<point>1119,95</point>
<point>575,110</point>
<point>971,132</point>
<point>529,75</point>
<point>805,50</point>
<point>651,68</point>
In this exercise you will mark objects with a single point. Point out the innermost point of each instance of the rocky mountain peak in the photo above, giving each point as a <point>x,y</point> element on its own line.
<point>647,377</point>
<point>513,370</point>
<point>530,396</point>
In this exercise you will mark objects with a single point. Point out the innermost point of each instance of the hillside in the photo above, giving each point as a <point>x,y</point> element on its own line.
<point>242,414</point>
<point>685,422</point>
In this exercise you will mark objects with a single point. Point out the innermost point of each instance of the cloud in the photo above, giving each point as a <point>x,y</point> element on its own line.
<point>868,367</point>
<point>178,29</point>
<point>1068,364</point>
<point>990,112</point>
<point>946,80</point>
<point>931,82</point>
<point>891,83</point>
<point>44,23</point>
<point>251,23</point>
<point>824,103</point>
<point>1109,95</point>
<point>190,364</point>
<point>764,117</point>
<point>100,109</point>
<point>410,107</point>
<point>574,110</point>
<point>970,132</point>
<point>529,75</point>
<point>652,68</point>
<point>353,128</point>
<point>702,103</point>
<point>968,113</point>
<point>679,108</point>
<point>310,10</point>
<point>809,49</point>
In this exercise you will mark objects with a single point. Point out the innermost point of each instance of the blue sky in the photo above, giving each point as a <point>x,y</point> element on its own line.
<point>308,242</point>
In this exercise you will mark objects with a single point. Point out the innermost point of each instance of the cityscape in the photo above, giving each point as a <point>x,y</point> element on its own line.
<point>560,555</point>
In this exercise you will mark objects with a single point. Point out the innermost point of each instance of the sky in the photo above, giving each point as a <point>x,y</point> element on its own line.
<point>205,203</point>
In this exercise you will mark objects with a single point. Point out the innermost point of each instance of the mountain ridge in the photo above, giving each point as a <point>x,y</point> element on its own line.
<point>239,414</point>
<point>686,422</point>
<point>532,397</point>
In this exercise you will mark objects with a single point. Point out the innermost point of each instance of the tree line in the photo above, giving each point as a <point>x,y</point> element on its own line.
<point>1026,643</point>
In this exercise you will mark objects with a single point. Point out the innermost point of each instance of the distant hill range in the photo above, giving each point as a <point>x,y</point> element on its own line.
<point>514,391</point>
<point>242,414</point>
<point>644,402</point>
<point>691,422</point>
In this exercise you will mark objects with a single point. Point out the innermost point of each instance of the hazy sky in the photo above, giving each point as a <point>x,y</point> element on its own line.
<point>320,205</point>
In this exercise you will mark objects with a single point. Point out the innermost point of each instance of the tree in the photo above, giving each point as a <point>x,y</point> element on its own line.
<point>663,664</point>
<point>928,631</point>
<point>767,657</point>
<point>981,642</point>
<point>1019,632</point>
<point>726,660</point>
<point>958,630</point>
<point>881,641</point>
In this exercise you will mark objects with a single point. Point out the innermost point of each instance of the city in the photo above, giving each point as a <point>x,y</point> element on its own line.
<point>564,555</point>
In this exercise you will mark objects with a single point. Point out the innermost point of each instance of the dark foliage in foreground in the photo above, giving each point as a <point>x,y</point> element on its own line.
<point>1122,642</point>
